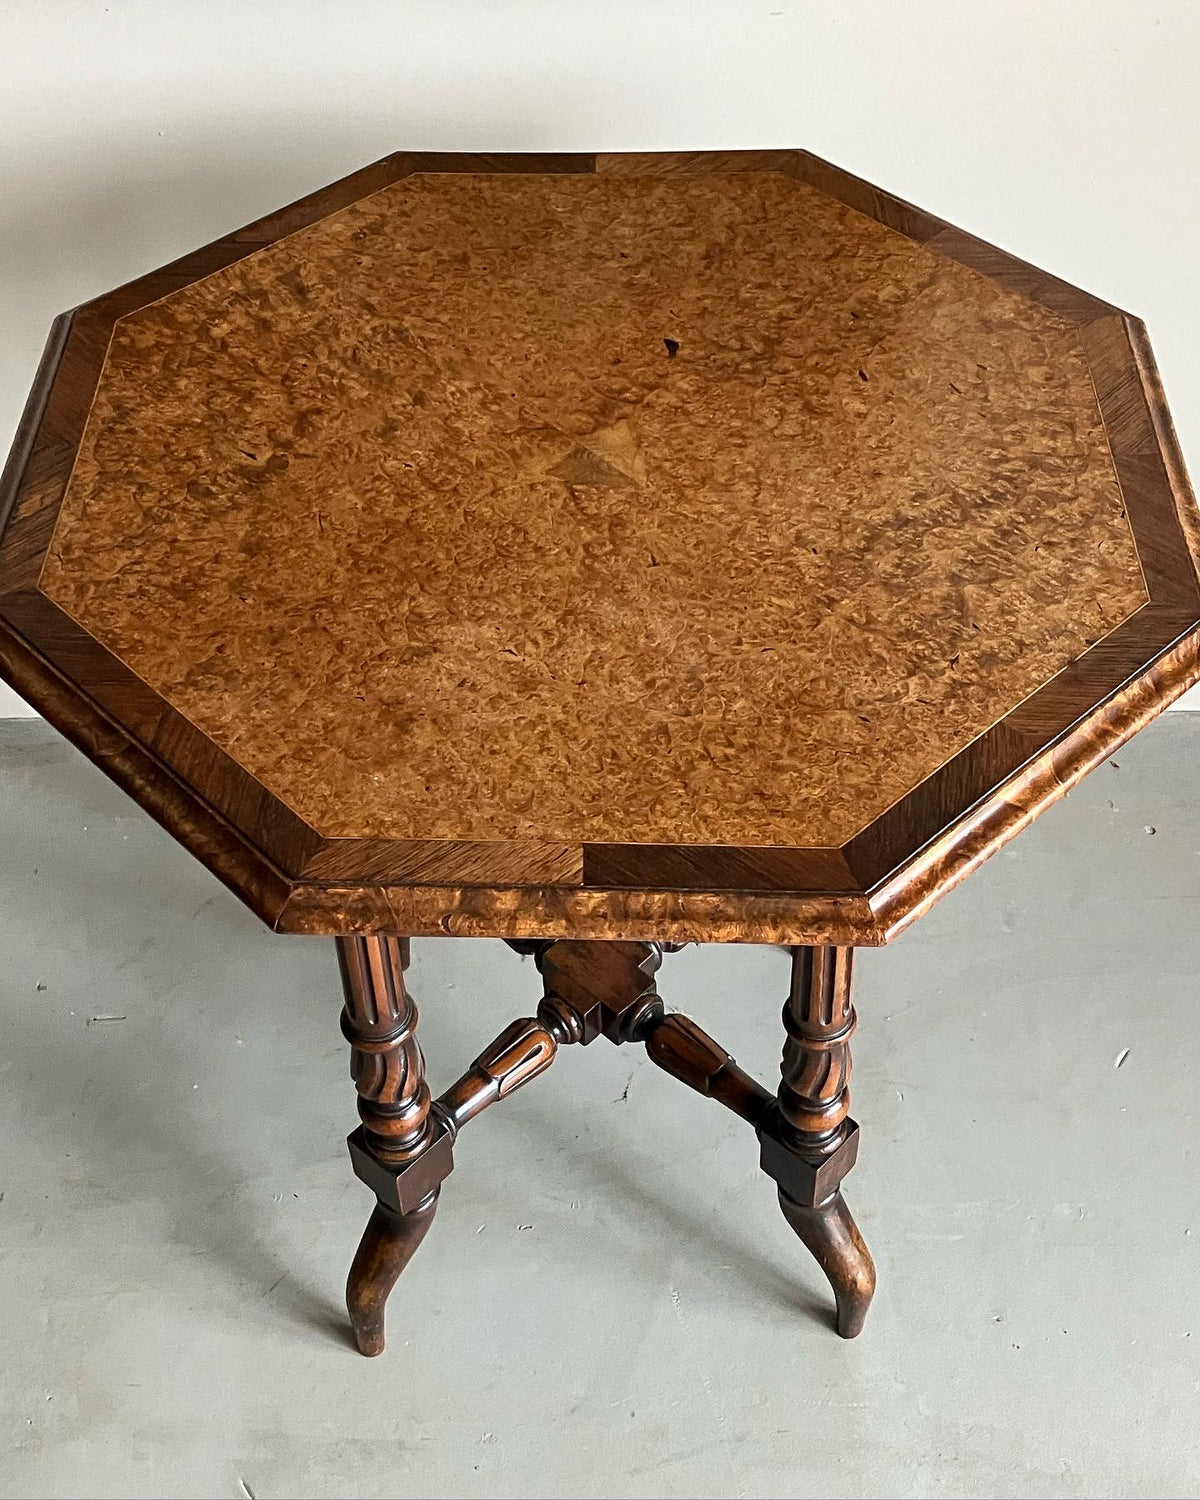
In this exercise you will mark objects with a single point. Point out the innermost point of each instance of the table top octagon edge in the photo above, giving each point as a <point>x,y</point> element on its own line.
<point>863,893</point>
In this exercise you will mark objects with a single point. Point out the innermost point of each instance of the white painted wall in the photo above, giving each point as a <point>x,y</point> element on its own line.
<point>1065,130</point>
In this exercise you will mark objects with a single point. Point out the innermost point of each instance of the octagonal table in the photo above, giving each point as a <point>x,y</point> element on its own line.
<point>600,553</point>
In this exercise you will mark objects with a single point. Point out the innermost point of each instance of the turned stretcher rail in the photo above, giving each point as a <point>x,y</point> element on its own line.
<point>404,1148</point>
<point>678,1046</point>
<point>674,1042</point>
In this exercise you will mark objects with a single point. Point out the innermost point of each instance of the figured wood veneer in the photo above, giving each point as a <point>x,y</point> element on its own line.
<point>420,516</point>
<point>672,546</point>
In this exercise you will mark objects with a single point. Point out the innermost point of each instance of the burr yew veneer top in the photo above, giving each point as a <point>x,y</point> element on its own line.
<point>697,546</point>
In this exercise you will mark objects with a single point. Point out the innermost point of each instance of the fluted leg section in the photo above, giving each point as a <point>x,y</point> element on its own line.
<point>396,1151</point>
<point>403,1148</point>
<point>812,1143</point>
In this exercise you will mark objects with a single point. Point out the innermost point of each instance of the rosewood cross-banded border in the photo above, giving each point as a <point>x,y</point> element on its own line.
<point>862,890</point>
<point>404,1148</point>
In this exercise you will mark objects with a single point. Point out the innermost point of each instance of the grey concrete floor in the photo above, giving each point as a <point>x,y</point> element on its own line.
<point>609,1303</point>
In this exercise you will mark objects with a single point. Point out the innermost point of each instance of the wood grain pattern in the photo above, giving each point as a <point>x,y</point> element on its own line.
<point>768,811</point>
<point>899,900</point>
<point>593,989</point>
<point>820,1141</point>
<point>551,911</point>
<point>389,1242</point>
<point>16,468</point>
<point>679,1047</point>
<point>224,850</point>
<point>379,1020</point>
<point>1165,438</point>
<point>444,862</point>
<point>1017,276</point>
<point>46,446</point>
<point>814,1090</point>
<point>423,504</point>
<point>1146,486</point>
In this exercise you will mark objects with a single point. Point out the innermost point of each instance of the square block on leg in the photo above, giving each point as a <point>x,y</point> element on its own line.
<point>805,1182</point>
<point>404,1186</point>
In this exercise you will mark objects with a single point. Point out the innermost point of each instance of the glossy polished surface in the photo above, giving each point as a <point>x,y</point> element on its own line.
<point>695,509</point>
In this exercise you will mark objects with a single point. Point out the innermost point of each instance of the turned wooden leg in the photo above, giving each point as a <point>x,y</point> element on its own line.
<point>400,1150</point>
<point>388,1244</point>
<point>831,1234</point>
<point>404,1146</point>
<point>810,1143</point>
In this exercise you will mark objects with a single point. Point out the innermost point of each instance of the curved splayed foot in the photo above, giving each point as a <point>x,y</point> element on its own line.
<point>831,1234</point>
<point>388,1244</point>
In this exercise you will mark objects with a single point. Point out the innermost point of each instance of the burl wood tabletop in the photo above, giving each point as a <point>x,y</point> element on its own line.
<point>678,547</point>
